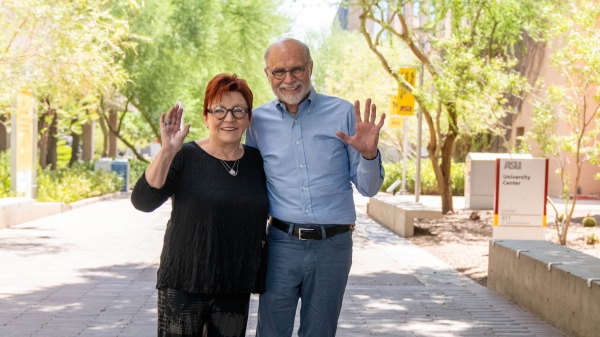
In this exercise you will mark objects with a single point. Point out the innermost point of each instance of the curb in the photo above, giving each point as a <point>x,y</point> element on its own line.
<point>15,211</point>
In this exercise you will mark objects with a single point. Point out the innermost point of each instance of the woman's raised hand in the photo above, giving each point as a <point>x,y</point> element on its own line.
<point>170,129</point>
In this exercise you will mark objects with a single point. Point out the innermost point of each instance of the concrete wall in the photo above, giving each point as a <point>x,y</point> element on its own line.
<point>14,211</point>
<point>561,295</point>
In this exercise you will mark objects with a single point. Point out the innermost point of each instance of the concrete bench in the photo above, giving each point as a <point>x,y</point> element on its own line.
<point>557,283</point>
<point>399,215</point>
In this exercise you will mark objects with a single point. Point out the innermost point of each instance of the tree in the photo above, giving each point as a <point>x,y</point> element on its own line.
<point>67,54</point>
<point>574,105</point>
<point>466,50</point>
<point>344,67</point>
<point>186,43</point>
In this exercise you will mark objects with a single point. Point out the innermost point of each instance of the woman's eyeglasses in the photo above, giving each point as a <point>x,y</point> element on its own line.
<point>238,112</point>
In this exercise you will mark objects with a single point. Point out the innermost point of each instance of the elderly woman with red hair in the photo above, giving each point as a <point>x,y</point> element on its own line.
<point>214,241</point>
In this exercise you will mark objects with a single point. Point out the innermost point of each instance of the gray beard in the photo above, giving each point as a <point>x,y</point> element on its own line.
<point>295,98</point>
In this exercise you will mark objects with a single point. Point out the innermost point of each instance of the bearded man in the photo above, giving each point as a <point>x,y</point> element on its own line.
<point>314,147</point>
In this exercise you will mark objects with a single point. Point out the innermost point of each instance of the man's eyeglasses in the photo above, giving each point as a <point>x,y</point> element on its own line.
<point>296,72</point>
<point>238,112</point>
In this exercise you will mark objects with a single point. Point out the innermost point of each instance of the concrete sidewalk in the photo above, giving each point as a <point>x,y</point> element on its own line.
<point>91,272</point>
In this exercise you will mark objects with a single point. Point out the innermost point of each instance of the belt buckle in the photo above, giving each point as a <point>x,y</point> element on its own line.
<point>300,230</point>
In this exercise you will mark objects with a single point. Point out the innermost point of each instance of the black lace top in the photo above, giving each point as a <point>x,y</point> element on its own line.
<point>214,238</point>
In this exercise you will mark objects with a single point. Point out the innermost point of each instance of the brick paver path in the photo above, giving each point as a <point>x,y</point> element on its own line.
<point>91,272</point>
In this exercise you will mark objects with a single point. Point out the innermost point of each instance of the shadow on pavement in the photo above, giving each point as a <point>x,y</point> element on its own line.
<point>117,300</point>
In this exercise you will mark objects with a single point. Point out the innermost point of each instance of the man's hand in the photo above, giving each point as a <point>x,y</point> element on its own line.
<point>367,132</point>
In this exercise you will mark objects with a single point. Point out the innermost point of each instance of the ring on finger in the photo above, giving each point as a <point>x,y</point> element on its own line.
<point>167,122</point>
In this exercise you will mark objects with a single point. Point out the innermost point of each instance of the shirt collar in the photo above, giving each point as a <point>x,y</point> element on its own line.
<point>312,99</point>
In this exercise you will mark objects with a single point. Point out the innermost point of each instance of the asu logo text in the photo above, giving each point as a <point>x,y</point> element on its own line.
<point>512,165</point>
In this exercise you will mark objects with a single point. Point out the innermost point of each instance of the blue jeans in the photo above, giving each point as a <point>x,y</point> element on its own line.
<point>316,271</point>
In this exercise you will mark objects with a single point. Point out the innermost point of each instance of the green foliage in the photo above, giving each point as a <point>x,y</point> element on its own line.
<point>136,168</point>
<point>466,50</point>
<point>466,143</point>
<point>5,175</point>
<point>63,154</point>
<point>76,183</point>
<point>186,43</point>
<point>589,221</point>
<point>68,54</point>
<point>393,172</point>
<point>592,239</point>
<point>336,51</point>
<point>469,58</point>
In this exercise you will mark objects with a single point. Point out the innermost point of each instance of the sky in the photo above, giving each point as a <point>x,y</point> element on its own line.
<point>309,15</point>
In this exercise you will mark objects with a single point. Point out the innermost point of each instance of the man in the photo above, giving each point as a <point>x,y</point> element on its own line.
<point>310,162</point>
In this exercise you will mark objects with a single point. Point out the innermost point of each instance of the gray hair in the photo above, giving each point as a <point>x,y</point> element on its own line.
<point>302,44</point>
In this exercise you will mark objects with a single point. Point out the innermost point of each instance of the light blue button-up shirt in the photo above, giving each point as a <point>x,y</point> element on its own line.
<point>309,169</point>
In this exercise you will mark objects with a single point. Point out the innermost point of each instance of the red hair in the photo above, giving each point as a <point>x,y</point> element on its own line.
<point>223,83</point>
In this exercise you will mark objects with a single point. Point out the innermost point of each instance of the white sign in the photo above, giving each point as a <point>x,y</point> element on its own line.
<point>520,199</point>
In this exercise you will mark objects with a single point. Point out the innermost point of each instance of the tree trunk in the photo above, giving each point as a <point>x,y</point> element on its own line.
<point>104,136</point>
<point>442,175</point>
<point>446,168</point>
<point>52,155</point>
<point>443,170</point>
<point>44,123</point>
<point>116,133</point>
<point>113,126</point>
<point>74,148</point>
<point>132,147</point>
<point>4,142</point>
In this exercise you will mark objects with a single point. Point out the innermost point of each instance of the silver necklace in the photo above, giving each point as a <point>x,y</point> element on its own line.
<point>231,169</point>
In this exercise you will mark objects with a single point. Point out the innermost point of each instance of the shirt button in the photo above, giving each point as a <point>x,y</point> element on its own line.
<point>303,188</point>
<point>300,165</point>
<point>306,211</point>
<point>295,121</point>
<point>297,142</point>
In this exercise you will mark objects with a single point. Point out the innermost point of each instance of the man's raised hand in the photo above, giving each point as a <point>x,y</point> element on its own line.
<point>366,137</point>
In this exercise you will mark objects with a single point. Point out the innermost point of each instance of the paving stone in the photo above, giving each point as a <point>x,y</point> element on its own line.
<point>91,272</point>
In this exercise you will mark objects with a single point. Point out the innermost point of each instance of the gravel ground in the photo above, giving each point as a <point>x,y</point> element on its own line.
<point>463,243</point>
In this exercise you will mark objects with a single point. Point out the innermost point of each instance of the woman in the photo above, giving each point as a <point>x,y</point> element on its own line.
<point>214,241</point>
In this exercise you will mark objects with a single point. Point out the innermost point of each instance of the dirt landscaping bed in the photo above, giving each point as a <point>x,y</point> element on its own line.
<point>463,243</point>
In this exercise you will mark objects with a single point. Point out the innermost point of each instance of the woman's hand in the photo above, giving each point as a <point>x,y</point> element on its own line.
<point>172,141</point>
<point>171,133</point>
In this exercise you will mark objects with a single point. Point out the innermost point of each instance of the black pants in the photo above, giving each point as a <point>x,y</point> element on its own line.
<point>181,313</point>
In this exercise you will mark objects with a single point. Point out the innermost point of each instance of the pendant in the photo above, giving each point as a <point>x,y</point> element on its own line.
<point>232,172</point>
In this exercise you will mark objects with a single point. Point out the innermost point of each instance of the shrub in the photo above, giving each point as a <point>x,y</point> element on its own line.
<point>592,239</point>
<point>5,175</point>
<point>393,172</point>
<point>76,183</point>
<point>589,221</point>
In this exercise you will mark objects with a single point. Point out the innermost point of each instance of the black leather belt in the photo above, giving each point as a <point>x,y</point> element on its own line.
<point>311,232</point>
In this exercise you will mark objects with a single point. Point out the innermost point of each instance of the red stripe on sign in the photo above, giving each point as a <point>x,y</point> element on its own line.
<point>497,191</point>
<point>546,187</point>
